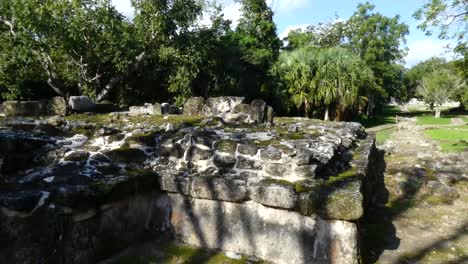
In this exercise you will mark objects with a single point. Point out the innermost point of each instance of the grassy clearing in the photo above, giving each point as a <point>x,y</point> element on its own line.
<point>431,120</point>
<point>451,140</point>
<point>384,135</point>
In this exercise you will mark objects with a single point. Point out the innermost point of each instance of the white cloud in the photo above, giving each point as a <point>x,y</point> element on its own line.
<point>232,11</point>
<point>422,50</point>
<point>288,29</point>
<point>124,7</point>
<point>285,5</point>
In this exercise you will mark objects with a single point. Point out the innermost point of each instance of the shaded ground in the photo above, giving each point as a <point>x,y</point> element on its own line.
<point>161,252</point>
<point>421,211</point>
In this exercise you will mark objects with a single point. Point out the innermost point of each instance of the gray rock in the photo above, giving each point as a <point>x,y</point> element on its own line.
<point>57,106</point>
<point>247,149</point>
<point>226,146</point>
<point>258,111</point>
<point>171,181</point>
<point>278,169</point>
<point>441,191</point>
<point>147,109</point>
<point>303,157</point>
<point>157,109</point>
<point>270,153</point>
<point>216,106</point>
<point>448,178</point>
<point>306,171</point>
<point>244,163</point>
<point>24,108</point>
<point>77,156</point>
<point>274,193</point>
<point>343,202</point>
<point>270,115</point>
<point>219,188</point>
<point>279,236</point>
<point>194,106</point>
<point>224,161</point>
<point>131,155</point>
<point>81,104</point>
<point>201,153</point>
<point>173,110</point>
<point>165,108</point>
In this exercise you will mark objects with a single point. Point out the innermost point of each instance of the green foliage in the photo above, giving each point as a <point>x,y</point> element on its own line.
<point>448,17</point>
<point>322,77</point>
<point>259,46</point>
<point>439,86</point>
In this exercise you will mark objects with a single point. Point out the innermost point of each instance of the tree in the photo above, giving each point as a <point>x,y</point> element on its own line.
<point>448,17</point>
<point>326,77</point>
<point>297,68</point>
<point>322,35</point>
<point>80,46</point>
<point>341,77</point>
<point>259,45</point>
<point>438,87</point>
<point>377,40</point>
<point>414,75</point>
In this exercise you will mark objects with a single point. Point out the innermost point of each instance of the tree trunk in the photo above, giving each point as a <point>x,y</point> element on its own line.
<point>116,79</point>
<point>370,105</point>
<point>306,108</point>
<point>437,113</point>
<point>327,114</point>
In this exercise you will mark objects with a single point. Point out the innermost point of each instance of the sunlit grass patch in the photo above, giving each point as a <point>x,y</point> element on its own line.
<point>431,120</point>
<point>451,140</point>
<point>384,135</point>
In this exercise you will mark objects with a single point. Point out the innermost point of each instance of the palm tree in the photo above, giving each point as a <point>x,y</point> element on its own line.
<point>297,69</point>
<point>341,76</point>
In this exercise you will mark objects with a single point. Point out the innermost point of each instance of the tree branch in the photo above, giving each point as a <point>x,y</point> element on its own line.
<point>116,79</point>
<point>10,24</point>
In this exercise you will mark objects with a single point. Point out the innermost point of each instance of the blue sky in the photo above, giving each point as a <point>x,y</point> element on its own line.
<point>290,14</point>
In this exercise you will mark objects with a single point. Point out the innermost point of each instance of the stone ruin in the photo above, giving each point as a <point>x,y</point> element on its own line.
<point>229,109</point>
<point>79,192</point>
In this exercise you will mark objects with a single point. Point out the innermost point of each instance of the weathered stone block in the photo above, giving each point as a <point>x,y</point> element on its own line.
<point>247,149</point>
<point>274,193</point>
<point>270,153</point>
<point>24,108</point>
<point>124,154</point>
<point>280,236</point>
<point>226,146</point>
<point>174,182</point>
<point>224,160</point>
<point>81,104</point>
<point>344,202</point>
<point>244,163</point>
<point>219,188</point>
<point>57,106</point>
<point>194,106</point>
<point>278,169</point>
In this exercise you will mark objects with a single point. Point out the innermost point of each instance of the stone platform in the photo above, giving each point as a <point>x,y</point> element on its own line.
<point>80,189</point>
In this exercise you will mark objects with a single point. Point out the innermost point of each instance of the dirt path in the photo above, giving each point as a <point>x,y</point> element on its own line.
<point>421,211</point>
<point>457,121</point>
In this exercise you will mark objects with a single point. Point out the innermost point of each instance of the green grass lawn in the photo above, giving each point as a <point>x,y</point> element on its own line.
<point>450,140</point>
<point>431,120</point>
<point>383,135</point>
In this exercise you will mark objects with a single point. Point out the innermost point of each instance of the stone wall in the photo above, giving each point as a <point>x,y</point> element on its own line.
<point>291,193</point>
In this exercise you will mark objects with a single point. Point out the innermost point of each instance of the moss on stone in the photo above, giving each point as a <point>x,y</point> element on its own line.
<point>277,181</point>
<point>344,176</point>
<point>306,186</point>
<point>181,254</point>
